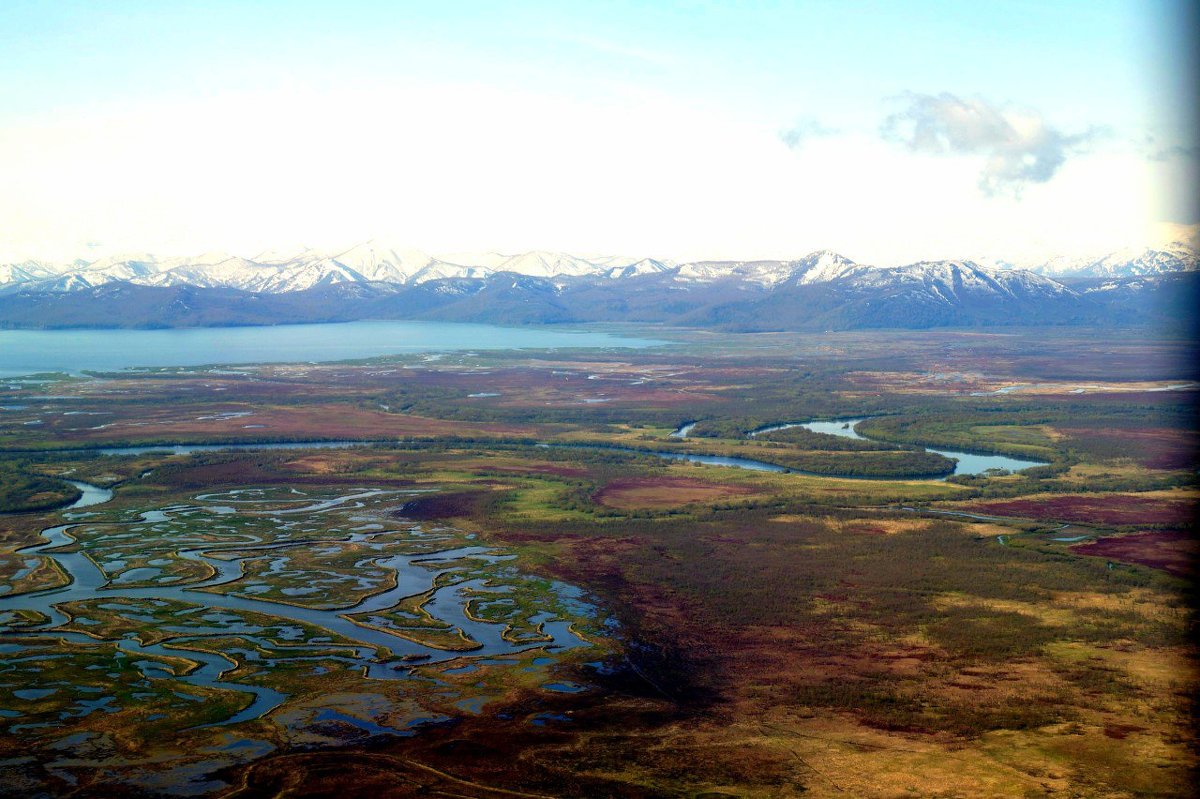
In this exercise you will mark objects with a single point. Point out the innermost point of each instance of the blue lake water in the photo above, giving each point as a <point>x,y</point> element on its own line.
<point>27,351</point>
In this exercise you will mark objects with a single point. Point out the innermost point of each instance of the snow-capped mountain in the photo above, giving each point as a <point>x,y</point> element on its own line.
<point>821,266</point>
<point>645,266</point>
<point>817,293</point>
<point>302,269</point>
<point>537,263</point>
<point>207,271</point>
<point>25,271</point>
<point>440,270</point>
<point>953,281</point>
<point>547,264</point>
<point>1177,251</point>
<point>1129,263</point>
<point>281,271</point>
<point>370,261</point>
<point>822,290</point>
<point>815,267</point>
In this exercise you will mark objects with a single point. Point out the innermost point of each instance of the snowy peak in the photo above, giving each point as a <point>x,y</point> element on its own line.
<point>1176,256</point>
<point>816,267</point>
<point>547,264</point>
<point>207,272</point>
<point>953,282</point>
<point>646,266</point>
<point>381,263</point>
<point>1142,263</point>
<point>25,271</point>
<point>281,271</point>
<point>440,270</point>
<point>820,291</point>
<point>822,266</point>
<point>299,269</point>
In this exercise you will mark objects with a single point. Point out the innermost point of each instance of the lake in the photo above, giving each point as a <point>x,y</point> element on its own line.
<point>28,351</point>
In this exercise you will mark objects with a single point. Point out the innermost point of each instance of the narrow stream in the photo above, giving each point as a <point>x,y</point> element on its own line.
<point>683,430</point>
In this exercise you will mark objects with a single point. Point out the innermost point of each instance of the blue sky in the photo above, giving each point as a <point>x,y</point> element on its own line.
<point>667,128</point>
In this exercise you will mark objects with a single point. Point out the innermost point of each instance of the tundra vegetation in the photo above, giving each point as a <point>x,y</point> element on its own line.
<point>570,612</point>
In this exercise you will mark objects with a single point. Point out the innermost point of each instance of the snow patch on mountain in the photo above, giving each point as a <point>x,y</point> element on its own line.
<point>953,282</point>
<point>371,262</point>
<point>815,267</point>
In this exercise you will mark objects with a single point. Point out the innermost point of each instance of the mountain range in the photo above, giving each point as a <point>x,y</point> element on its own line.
<point>823,290</point>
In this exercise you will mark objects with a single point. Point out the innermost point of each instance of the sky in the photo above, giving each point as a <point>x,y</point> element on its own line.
<point>888,131</point>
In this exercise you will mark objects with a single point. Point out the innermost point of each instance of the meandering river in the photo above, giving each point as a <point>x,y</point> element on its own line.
<point>965,462</point>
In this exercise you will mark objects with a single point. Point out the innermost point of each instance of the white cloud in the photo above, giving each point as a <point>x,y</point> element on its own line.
<point>804,129</point>
<point>1018,147</point>
<point>466,167</point>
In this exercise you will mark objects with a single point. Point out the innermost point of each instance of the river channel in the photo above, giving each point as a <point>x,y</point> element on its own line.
<point>415,573</point>
<point>965,463</point>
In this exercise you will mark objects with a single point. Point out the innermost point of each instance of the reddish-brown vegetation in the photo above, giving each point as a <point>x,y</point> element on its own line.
<point>443,506</point>
<point>1173,551</point>
<point>560,383</point>
<point>286,423</point>
<point>1107,509</point>
<point>1152,447</point>
<point>663,492</point>
<point>254,469</point>
<point>531,467</point>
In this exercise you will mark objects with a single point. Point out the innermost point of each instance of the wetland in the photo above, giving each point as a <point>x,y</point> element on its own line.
<point>801,555</point>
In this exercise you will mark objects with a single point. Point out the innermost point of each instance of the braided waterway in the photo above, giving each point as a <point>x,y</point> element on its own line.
<point>378,653</point>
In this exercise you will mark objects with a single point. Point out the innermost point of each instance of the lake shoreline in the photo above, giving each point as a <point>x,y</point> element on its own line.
<point>77,351</point>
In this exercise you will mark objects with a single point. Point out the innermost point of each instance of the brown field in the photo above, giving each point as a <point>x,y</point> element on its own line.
<point>223,470</point>
<point>808,666</point>
<point>333,462</point>
<point>949,379</point>
<point>527,467</point>
<point>1174,509</point>
<point>295,423</point>
<point>664,492</point>
<point>540,383</point>
<point>1152,447</point>
<point>451,505</point>
<point>1170,550</point>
